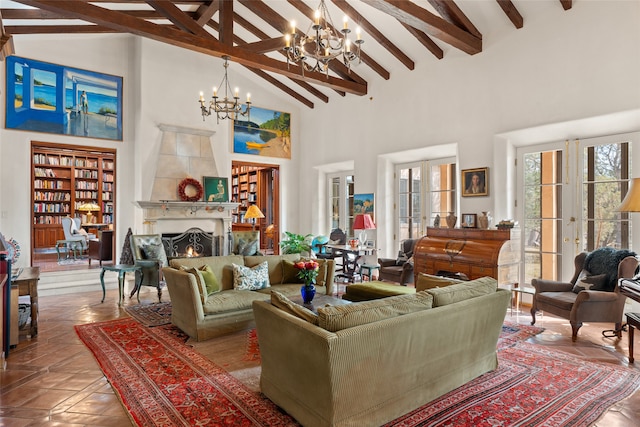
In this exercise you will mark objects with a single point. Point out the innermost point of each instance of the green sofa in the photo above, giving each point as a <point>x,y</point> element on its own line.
<point>225,310</point>
<point>401,356</point>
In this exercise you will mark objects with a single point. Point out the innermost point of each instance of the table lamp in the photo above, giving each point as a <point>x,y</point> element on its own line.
<point>88,208</point>
<point>363,222</point>
<point>253,212</point>
<point>631,202</point>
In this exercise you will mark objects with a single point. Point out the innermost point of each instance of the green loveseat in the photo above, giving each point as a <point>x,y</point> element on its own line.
<point>392,356</point>
<point>224,310</point>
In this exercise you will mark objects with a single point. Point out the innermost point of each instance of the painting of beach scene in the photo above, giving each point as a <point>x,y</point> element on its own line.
<point>363,204</point>
<point>51,98</point>
<point>265,133</point>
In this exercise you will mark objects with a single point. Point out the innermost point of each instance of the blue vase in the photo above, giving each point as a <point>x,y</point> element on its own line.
<point>308,292</point>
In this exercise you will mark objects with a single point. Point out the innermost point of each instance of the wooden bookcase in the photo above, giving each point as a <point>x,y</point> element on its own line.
<point>63,179</point>
<point>245,189</point>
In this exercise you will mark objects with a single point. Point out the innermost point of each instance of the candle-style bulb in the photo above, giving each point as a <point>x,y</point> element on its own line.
<point>248,98</point>
<point>236,90</point>
<point>215,91</point>
<point>358,31</point>
<point>201,96</point>
<point>316,16</point>
<point>293,27</point>
<point>345,22</point>
<point>287,40</point>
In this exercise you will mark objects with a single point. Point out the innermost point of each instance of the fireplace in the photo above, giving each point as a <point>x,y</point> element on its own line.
<point>194,242</point>
<point>185,152</point>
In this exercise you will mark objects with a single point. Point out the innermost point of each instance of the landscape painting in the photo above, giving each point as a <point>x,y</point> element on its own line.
<point>264,133</point>
<point>45,97</point>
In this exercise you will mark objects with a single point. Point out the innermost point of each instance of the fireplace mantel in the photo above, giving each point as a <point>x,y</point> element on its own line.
<point>165,216</point>
<point>164,209</point>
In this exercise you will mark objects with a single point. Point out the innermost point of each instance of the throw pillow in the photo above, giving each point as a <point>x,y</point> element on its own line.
<point>210,280</point>
<point>290,273</point>
<point>590,282</point>
<point>202,287</point>
<point>336,318</point>
<point>247,247</point>
<point>428,281</point>
<point>151,252</point>
<point>463,291</point>
<point>285,304</point>
<point>251,279</point>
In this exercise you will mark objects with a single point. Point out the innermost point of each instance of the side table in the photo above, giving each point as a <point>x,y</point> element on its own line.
<point>370,269</point>
<point>122,270</point>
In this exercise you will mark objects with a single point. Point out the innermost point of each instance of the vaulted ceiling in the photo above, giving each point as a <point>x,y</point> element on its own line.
<point>250,32</point>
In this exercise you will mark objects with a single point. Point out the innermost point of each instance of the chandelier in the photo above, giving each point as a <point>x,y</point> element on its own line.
<point>225,108</point>
<point>322,43</point>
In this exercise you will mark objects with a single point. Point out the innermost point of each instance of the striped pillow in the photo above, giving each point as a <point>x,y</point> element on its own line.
<point>335,318</point>
<point>285,304</point>
<point>463,291</point>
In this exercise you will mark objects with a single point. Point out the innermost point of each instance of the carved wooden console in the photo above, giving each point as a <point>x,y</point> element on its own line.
<point>473,252</point>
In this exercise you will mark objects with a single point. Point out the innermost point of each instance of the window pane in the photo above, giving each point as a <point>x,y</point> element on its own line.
<point>44,90</point>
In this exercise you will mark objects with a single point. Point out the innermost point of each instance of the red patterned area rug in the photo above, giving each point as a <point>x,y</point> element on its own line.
<point>533,386</point>
<point>163,382</point>
<point>155,314</point>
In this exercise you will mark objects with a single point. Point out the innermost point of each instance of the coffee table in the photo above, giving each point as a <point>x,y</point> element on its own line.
<point>319,301</point>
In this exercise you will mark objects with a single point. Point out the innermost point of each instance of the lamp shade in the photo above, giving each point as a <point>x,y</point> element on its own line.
<point>363,222</point>
<point>89,207</point>
<point>631,202</point>
<point>253,212</point>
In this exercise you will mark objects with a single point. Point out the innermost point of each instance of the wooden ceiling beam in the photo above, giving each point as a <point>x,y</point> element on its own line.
<point>207,45</point>
<point>421,19</point>
<point>178,17</point>
<point>511,12</point>
<point>6,42</point>
<point>425,40</point>
<point>59,29</point>
<point>264,46</point>
<point>566,4</point>
<point>374,32</point>
<point>257,32</point>
<point>205,13</point>
<point>225,32</point>
<point>450,11</point>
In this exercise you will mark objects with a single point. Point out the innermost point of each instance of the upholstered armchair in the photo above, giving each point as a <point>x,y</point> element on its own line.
<point>73,232</point>
<point>593,293</point>
<point>399,269</point>
<point>148,253</point>
<point>102,248</point>
<point>245,243</point>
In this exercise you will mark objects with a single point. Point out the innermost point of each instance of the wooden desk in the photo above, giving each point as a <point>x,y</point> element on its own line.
<point>25,284</point>
<point>358,250</point>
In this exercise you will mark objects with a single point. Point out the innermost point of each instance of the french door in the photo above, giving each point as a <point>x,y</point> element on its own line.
<point>569,194</point>
<point>425,191</point>
<point>341,188</point>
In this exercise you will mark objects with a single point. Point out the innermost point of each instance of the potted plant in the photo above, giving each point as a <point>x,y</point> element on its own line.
<point>295,243</point>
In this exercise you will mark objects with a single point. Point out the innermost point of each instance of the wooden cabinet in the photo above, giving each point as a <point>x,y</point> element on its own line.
<point>63,179</point>
<point>473,252</point>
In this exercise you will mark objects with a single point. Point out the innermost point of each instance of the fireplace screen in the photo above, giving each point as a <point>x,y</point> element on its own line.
<point>194,242</point>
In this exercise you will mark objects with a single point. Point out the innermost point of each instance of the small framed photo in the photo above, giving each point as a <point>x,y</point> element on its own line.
<point>370,244</point>
<point>469,220</point>
<point>215,189</point>
<point>475,182</point>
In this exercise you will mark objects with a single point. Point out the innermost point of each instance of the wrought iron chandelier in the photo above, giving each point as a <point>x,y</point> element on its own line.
<point>322,43</point>
<point>225,108</point>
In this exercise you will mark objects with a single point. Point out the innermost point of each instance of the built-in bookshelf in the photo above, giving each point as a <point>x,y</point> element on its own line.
<point>64,179</point>
<point>245,188</point>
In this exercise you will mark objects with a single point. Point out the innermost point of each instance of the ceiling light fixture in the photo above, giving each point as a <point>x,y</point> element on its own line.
<point>322,43</point>
<point>225,108</point>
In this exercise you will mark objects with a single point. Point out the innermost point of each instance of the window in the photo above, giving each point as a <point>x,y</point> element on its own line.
<point>566,212</point>
<point>424,195</point>
<point>341,186</point>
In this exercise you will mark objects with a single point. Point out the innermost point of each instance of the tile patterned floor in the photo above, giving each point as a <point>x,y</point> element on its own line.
<point>53,380</point>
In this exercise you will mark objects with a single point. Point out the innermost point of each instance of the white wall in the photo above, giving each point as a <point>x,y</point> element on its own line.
<point>561,68</point>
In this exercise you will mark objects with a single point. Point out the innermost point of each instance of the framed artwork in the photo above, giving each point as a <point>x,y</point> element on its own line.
<point>267,133</point>
<point>475,182</point>
<point>216,189</point>
<point>44,97</point>
<point>364,204</point>
<point>469,220</point>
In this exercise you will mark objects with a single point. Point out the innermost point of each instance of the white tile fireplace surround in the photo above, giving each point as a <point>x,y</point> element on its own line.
<point>184,152</point>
